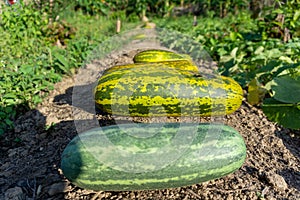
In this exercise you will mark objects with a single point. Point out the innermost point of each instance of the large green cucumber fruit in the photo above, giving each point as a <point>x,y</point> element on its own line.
<point>152,156</point>
<point>154,91</point>
<point>156,55</point>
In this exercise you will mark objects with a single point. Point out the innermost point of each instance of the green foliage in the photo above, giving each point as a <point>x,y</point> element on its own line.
<point>24,21</point>
<point>283,87</point>
<point>22,88</point>
<point>238,45</point>
<point>106,8</point>
<point>161,7</point>
<point>6,116</point>
<point>24,72</point>
<point>38,53</point>
<point>282,20</point>
<point>53,9</point>
<point>286,115</point>
<point>284,106</point>
<point>221,8</point>
<point>92,7</point>
<point>234,43</point>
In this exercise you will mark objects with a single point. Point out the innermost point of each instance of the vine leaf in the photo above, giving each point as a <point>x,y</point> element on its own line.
<point>286,89</point>
<point>287,115</point>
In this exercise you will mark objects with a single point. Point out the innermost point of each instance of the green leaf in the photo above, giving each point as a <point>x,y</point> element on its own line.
<point>287,115</point>
<point>2,131</point>
<point>273,53</point>
<point>268,68</point>
<point>10,96</point>
<point>294,72</point>
<point>2,114</point>
<point>269,84</point>
<point>286,59</point>
<point>234,52</point>
<point>235,35</point>
<point>27,70</point>
<point>296,15</point>
<point>286,89</point>
<point>64,64</point>
<point>9,122</point>
<point>10,101</point>
<point>259,50</point>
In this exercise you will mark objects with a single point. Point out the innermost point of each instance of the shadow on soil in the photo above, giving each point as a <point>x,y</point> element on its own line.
<point>293,145</point>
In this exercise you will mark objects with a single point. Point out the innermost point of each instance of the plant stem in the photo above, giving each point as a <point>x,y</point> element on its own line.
<point>279,105</point>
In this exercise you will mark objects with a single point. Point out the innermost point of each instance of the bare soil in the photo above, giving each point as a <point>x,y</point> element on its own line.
<point>30,168</point>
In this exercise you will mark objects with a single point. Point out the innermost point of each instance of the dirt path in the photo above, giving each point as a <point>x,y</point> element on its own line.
<point>30,169</point>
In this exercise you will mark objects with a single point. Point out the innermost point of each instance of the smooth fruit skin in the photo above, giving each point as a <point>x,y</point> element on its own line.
<point>214,151</point>
<point>153,91</point>
<point>155,55</point>
<point>178,64</point>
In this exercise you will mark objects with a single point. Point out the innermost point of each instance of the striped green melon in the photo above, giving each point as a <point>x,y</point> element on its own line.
<point>153,91</point>
<point>181,65</point>
<point>152,156</point>
<point>155,55</point>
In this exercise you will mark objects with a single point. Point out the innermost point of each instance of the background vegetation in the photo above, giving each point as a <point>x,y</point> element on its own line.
<point>256,42</point>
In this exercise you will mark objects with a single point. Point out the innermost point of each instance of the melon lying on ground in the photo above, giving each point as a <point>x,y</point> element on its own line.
<point>151,90</point>
<point>157,55</point>
<point>152,156</point>
<point>180,65</point>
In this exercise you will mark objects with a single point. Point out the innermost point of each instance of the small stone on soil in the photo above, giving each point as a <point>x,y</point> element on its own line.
<point>276,181</point>
<point>15,193</point>
<point>57,188</point>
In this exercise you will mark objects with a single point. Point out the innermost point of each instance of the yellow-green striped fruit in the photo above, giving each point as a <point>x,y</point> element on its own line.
<point>178,64</point>
<point>154,91</point>
<point>155,55</point>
